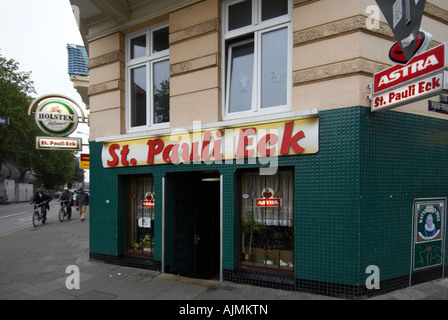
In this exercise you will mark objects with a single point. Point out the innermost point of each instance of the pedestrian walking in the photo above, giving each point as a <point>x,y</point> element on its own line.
<point>82,201</point>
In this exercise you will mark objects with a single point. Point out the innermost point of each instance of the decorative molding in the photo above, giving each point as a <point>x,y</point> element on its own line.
<point>106,86</point>
<point>436,12</point>
<point>336,28</point>
<point>298,3</point>
<point>194,65</point>
<point>106,59</point>
<point>194,31</point>
<point>117,10</point>
<point>336,70</point>
<point>104,24</point>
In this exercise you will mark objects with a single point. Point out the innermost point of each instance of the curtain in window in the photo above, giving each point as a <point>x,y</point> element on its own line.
<point>279,188</point>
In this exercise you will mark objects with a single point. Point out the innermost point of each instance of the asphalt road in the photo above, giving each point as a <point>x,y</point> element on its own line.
<point>17,216</point>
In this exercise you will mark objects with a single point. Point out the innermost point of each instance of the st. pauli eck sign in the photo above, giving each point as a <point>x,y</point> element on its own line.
<point>424,76</point>
<point>259,140</point>
<point>58,143</point>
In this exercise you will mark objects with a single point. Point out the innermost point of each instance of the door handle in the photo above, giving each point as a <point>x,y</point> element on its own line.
<point>196,239</point>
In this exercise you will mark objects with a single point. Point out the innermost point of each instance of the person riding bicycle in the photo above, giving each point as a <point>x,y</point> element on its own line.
<point>42,199</point>
<point>67,196</point>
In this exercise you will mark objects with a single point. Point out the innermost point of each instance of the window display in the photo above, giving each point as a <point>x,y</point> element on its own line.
<point>267,220</point>
<point>140,216</point>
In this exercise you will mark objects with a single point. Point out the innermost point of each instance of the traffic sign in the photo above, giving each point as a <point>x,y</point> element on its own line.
<point>4,121</point>
<point>437,107</point>
<point>441,107</point>
<point>404,18</point>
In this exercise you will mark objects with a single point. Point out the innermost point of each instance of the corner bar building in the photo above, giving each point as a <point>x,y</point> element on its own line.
<point>233,140</point>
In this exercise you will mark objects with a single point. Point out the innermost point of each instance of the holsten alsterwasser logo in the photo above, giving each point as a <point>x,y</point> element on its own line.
<point>56,118</point>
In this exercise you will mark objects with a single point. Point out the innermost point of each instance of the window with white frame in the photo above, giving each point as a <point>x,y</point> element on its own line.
<point>258,44</point>
<point>148,78</point>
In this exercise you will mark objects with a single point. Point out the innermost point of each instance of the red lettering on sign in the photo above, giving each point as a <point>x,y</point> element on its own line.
<point>290,141</point>
<point>114,161</point>
<point>155,147</point>
<point>268,202</point>
<point>217,145</point>
<point>124,155</point>
<point>245,141</point>
<point>262,150</point>
<point>418,66</point>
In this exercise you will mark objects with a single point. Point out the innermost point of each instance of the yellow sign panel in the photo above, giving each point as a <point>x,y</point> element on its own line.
<point>258,140</point>
<point>84,162</point>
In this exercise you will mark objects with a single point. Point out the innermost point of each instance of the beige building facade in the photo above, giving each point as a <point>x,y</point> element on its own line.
<point>337,46</point>
<point>158,67</point>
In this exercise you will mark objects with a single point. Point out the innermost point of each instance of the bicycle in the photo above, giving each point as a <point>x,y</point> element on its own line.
<point>64,212</point>
<point>37,214</point>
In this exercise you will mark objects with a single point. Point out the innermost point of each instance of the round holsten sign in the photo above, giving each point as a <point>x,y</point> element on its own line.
<point>56,118</point>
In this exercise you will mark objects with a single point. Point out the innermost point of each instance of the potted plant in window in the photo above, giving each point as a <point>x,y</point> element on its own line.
<point>250,226</point>
<point>148,243</point>
<point>268,257</point>
<point>136,246</point>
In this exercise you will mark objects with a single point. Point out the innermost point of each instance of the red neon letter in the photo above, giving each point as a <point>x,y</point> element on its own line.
<point>244,141</point>
<point>155,147</point>
<point>205,154</point>
<point>262,150</point>
<point>170,153</point>
<point>291,141</point>
<point>217,145</point>
<point>114,156</point>
<point>124,155</point>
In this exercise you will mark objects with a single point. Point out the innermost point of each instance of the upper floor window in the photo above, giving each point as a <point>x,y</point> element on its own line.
<point>258,72</point>
<point>148,78</point>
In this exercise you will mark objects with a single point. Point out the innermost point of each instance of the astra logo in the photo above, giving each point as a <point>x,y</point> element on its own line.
<point>424,40</point>
<point>409,70</point>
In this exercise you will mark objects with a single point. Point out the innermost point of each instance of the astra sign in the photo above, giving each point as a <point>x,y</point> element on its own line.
<point>423,77</point>
<point>262,140</point>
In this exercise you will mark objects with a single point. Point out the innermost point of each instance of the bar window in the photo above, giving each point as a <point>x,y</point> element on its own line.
<point>161,91</point>
<point>140,216</point>
<point>241,60</point>
<point>148,79</point>
<point>138,96</point>
<point>267,220</point>
<point>258,50</point>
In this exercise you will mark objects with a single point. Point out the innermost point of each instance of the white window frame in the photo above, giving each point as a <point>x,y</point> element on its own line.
<point>257,29</point>
<point>148,60</point>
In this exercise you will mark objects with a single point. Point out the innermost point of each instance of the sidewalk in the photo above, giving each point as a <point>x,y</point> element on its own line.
<point>34,260</point>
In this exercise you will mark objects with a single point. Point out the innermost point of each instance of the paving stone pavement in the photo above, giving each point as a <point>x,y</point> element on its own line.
<point>34,261</point>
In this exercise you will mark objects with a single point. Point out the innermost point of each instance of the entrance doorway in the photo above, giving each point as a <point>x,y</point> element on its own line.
<point>196,206</point>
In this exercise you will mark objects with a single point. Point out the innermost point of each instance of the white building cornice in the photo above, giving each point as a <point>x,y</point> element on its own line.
<point>100,18</point>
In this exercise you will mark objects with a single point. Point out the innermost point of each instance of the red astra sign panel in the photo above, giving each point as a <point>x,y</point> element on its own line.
<point>421,65</point>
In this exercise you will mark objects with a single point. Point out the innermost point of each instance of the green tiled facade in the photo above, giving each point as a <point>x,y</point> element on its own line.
<point>353,199</point>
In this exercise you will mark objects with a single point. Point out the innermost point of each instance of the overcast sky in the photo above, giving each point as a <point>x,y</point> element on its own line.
<point>35,33</point>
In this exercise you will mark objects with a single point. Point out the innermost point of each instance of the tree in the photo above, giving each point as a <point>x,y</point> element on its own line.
<point>18,140</point>
<point>15,88</point>
<point>55,167</point>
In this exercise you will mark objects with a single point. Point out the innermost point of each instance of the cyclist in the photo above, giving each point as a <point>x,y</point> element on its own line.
<point>66,196</point>
<point>42,199</point>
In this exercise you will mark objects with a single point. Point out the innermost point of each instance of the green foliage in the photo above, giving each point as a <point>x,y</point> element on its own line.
<point>18,140</point>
